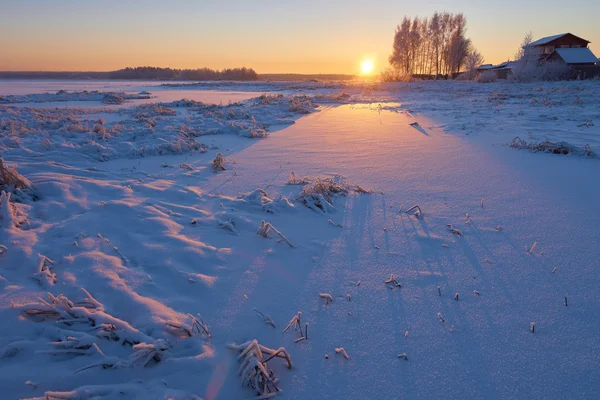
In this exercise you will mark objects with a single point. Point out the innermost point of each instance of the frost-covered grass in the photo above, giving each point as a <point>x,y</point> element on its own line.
<point>497,112</point>
<point>137,244</point>
<point>65,96</point>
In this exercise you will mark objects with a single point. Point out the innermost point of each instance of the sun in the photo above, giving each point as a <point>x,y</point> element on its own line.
<point>366,67</point>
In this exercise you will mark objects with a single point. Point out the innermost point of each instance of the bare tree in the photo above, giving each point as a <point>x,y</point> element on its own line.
<point>474,60</point>
<point>400,57</point>
<point>426,46</point>
<point>526,41</point>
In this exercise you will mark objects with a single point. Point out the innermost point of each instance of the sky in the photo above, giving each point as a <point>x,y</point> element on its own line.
<point>271,36</point>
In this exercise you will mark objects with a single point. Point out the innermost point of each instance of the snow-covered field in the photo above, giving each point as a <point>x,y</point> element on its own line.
<point>130,260</point>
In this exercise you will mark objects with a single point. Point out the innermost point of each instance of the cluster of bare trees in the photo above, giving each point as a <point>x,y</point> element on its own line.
<point>432,46</point>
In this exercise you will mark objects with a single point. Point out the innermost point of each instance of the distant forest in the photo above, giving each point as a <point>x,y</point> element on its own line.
<point>143,73</point>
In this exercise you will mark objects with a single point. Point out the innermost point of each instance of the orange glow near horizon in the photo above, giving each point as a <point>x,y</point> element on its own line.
<point>269,36</point>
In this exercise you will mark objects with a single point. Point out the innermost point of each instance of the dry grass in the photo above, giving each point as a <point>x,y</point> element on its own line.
<point>551,147</point>
<point>13,182</point>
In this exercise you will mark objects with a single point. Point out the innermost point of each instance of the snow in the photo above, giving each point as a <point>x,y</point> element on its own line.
<point>577,55</point>
<point>172,267</point>
<point>546,39</point>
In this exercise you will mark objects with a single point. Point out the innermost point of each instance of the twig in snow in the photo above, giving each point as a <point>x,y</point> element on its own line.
<point>266,318</point>
<point>440,317</point>
<point>186,166</point>
<point>199,326</point>
<point>334,224</point>
<point>476,292</point>
<point>439,291</point>
<point>415,207</point>
<point>554,270</point>
<point>392,279</point>
<point>482,202</point>
<point>144,355</point>
<point>566,302</point>
<point>403,356</point>
<point>456,296</point>
<point>296,322</point>
<point>328,298</point>
<point>532,247</point>
<point>74,346</point>
<point>342,351</point>
<point>532,327</point>
<point>266,227</point>
<point>32,384</point>
<point>3,248</point>
<point>455,231</point>
<point>115,248</point>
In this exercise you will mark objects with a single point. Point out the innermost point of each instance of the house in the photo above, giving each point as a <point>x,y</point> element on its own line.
<point>548,44</point>
<point>566,48</point>
<point>576,57</point>
<point>505,69</point>
<point>500,71</point>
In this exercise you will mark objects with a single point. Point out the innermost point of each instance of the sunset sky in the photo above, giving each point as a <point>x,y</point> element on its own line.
<point>271,36</point>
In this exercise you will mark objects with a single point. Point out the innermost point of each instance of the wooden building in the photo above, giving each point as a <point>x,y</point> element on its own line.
<point>548,44</point>
<point>565,48</point>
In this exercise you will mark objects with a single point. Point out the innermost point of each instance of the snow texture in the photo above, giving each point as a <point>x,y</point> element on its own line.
<point>128,267</point>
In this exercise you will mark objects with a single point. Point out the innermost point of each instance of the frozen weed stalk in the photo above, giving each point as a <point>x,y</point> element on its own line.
<point>197,327</point>
<point>453,230</point>
<point>342,351</point>
<point>296,322</point>
<point>328,298</point>
<point>267,319</point>
<point>44,275</point>
<point>392,280</point>
<point>440,317</point>
<point>266,227</point>
<point>218,164</point>
<point>416,209</point>
<point>532,248</point>
<point>253,367</point>
<point>144,355</point>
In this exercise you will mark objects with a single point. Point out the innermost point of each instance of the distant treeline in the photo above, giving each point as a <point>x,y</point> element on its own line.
<point>143,73</point>
<point>201,74</point>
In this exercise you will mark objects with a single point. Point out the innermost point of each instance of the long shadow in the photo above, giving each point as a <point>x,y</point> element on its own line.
<point>419,128</point>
